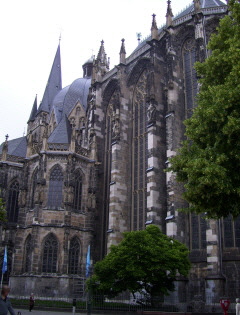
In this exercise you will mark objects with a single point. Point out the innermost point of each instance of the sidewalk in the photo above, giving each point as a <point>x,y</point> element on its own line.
<point>43,312</point>
<point>50,312</point>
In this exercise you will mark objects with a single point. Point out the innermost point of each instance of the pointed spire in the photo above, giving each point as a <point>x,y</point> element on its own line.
<point>154,28</point>
<point>34,110</point>
<point>102,59</point>
<point>169,14</point>
<point>5,149</point>
<point>101,54</point>
<point>123,52</point>
<point>54,84</point>
<point>197,5</point>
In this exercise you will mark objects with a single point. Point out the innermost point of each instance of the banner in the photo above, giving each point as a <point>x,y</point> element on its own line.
<point>4,266</point>
<point>88,263</point>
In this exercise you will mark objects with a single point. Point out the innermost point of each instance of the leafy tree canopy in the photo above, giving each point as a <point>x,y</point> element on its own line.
<point>208,163</point>
<point>144,260</point>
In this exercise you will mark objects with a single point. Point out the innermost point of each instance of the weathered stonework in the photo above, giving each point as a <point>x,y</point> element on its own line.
<point>92,166</point>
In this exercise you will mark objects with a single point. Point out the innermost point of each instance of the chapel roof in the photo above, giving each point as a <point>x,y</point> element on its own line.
<point>16,147</point>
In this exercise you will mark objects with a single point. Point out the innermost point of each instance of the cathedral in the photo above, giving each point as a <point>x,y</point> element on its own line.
<point>93,165</point>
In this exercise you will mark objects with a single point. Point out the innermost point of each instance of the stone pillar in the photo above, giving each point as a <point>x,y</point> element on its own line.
<point>175,221</point>
<point>155,176</point>
<point>215,281</point>
<point>118,195</point>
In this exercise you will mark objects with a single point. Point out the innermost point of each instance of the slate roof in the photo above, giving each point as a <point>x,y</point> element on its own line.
<point>78,91</point>
<point>66,99</point>
<point>62,133</point>
<point>54,84</point>
<point>204,4</point>
<point>189,9</point>
<point>16,147</point>
<point>58,103</point>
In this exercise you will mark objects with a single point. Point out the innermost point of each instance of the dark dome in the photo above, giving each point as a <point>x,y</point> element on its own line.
<point>90,60</point>
<point>67,98</point>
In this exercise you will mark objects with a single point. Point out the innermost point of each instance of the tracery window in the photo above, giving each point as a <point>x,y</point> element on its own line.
<point>55,194</point>
<point>231,232</point>
<point>190,76</point>
<point>34,186</point>
<point>12,204</point>
<point>28,254</point>
<point>50,251</point>
<point>139,160</point>
<point>77,199</point>
<point>74,255</point>
<point>198,232</point>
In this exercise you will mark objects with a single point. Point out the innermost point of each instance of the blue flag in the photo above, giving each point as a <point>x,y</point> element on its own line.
<point>88,263</point>
<point>4,266</point>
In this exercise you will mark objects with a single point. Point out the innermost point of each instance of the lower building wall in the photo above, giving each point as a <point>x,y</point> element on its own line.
<point>47,286</point>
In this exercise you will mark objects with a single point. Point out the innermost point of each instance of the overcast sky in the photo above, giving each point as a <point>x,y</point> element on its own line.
<point>30,31</point>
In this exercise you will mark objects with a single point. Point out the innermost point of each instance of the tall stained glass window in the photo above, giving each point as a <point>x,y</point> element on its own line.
<point>50,251</point>
<point>12,204</point>
<point>198,232</point>
<point>190,76</point>
<point>139,160</point>
<point>74,255</point>
<point>231,232</point>
<point>55,193</point>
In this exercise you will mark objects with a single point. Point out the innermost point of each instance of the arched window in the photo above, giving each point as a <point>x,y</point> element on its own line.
<point>198,232</point>
<point>139,157</point>
<point>28,254</point>
<point>34,186</point>
<point>12,204</point>
<point>231,232</point>
<point>77,199</point>
<point>55,193</point>
<point>190,76</point>
<point>50,251</point>
<point>74,254</point>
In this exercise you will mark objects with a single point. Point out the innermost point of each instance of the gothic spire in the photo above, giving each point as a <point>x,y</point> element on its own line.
<point>34,110</point>
<point>169,14</point>
<point>122,52</point>
<point>154,28</point>
<point>54,84</point>
<point>102,57</point>
<point>101,53</point>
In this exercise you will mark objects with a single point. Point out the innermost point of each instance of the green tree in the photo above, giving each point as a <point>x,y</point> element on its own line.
<point>145,260</point>
<point>3,214</point>
<point>208,163</point>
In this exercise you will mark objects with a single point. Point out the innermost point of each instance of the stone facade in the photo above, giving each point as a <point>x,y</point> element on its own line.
<point>92,166</point>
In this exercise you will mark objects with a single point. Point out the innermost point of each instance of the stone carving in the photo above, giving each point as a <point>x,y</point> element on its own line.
<point>116,128</point>
<point>22,198</point>
<point>151,112</point>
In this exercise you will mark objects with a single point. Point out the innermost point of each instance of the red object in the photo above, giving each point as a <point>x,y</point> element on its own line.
<point>225,303</point>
